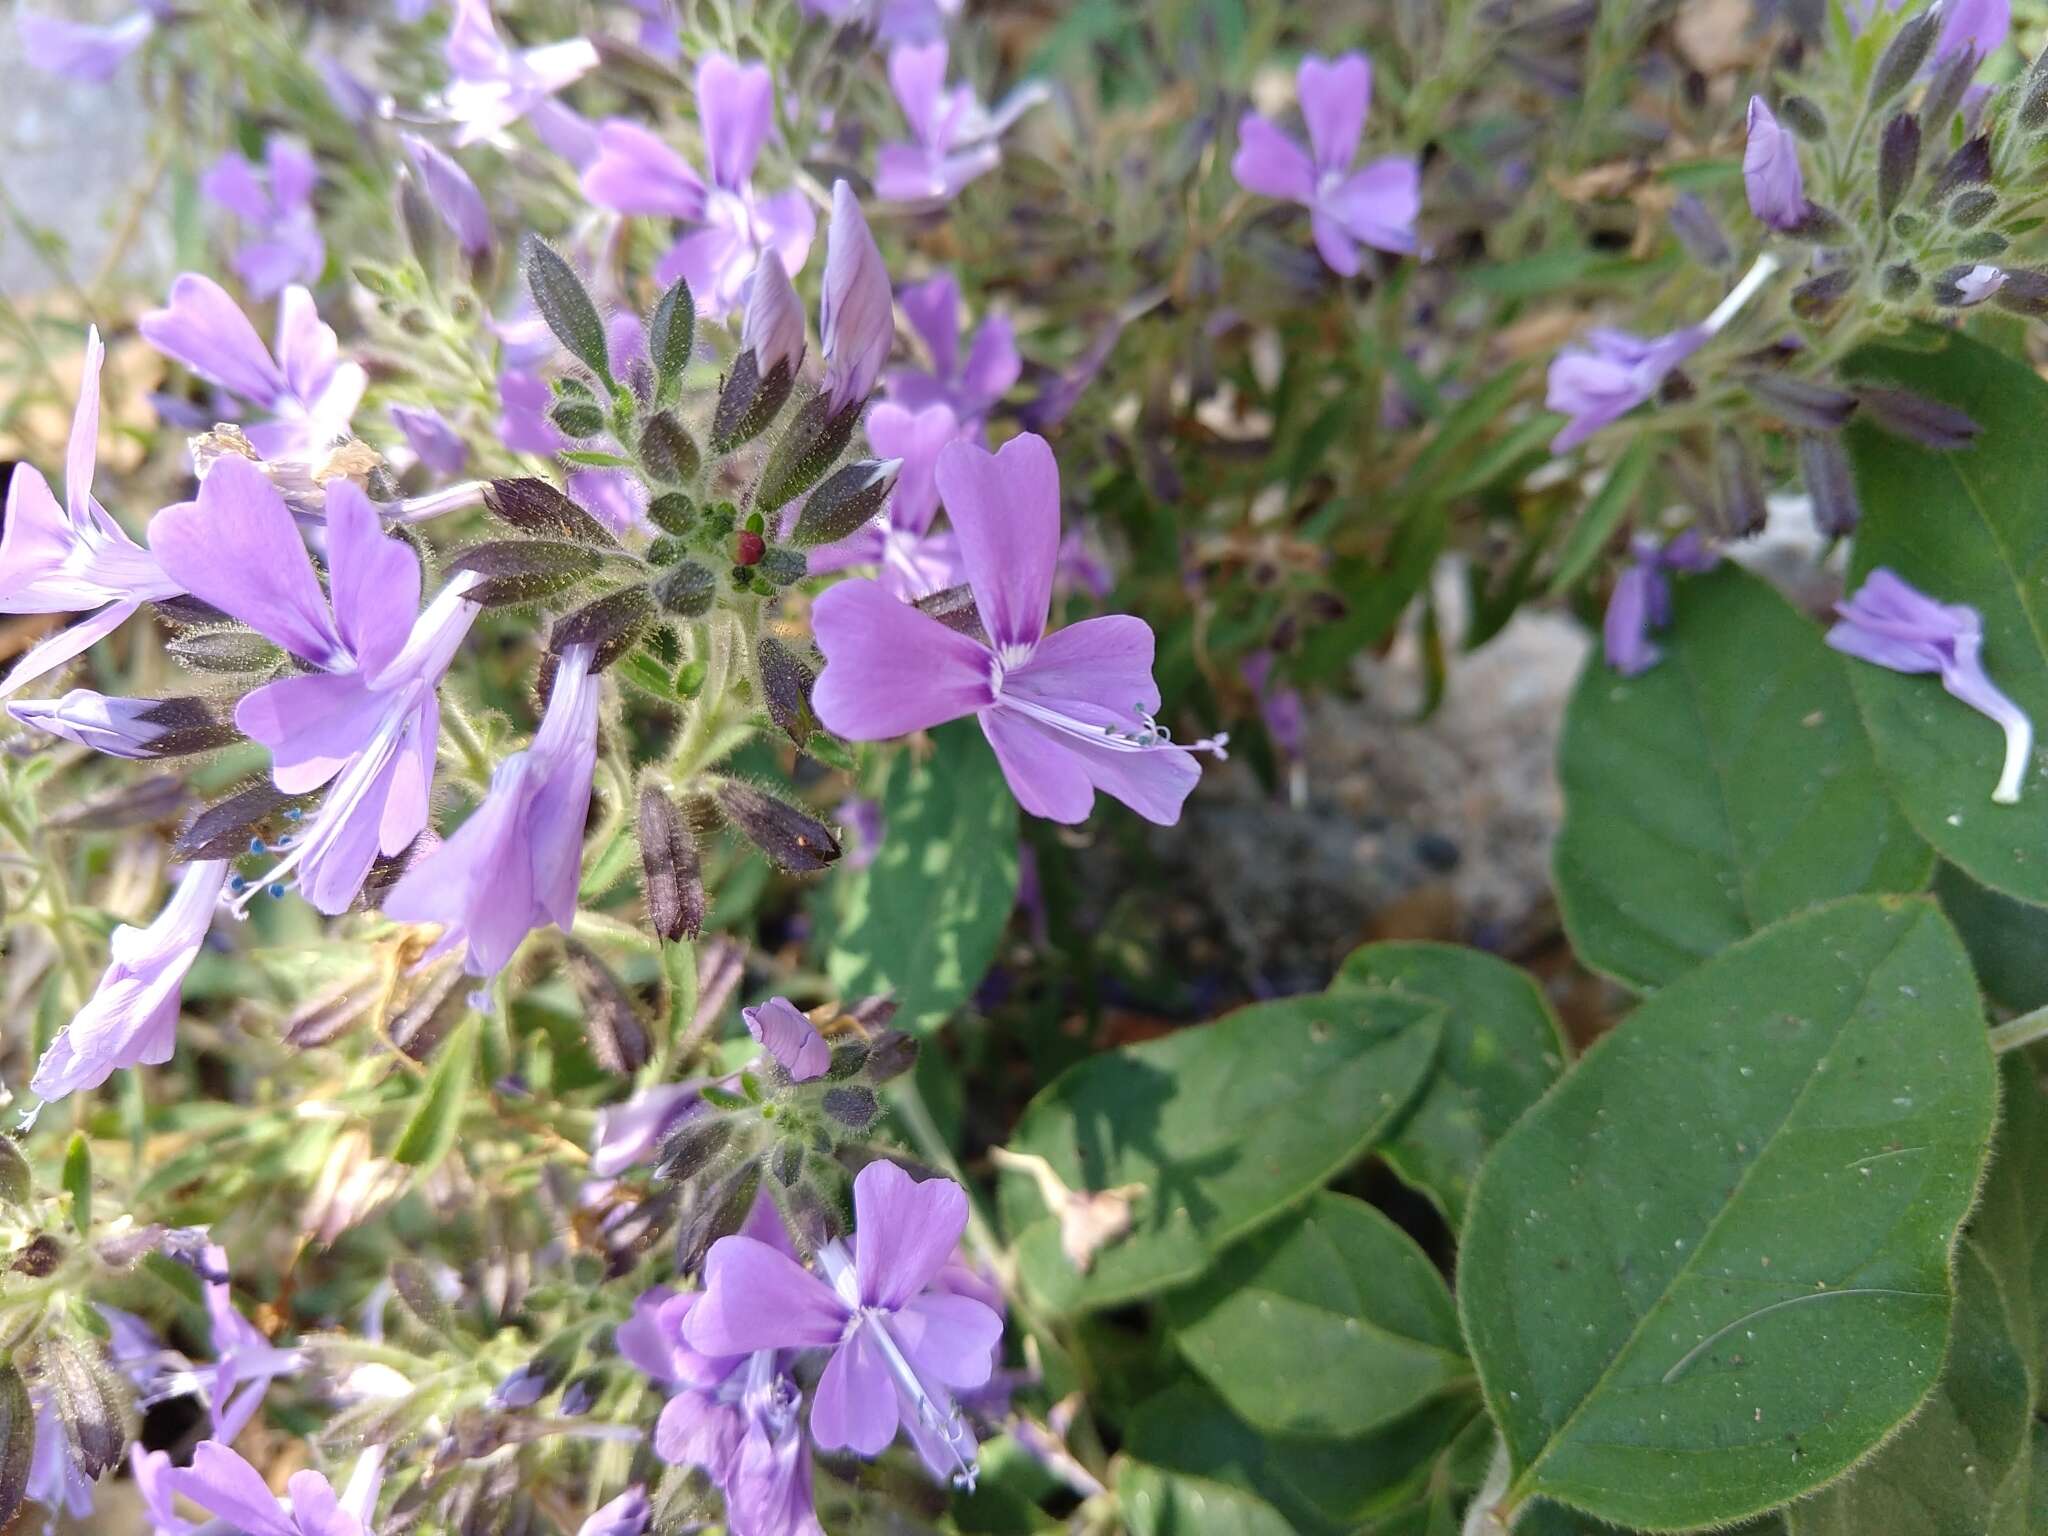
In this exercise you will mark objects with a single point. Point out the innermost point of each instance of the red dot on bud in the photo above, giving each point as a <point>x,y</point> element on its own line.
<point>748,549</point>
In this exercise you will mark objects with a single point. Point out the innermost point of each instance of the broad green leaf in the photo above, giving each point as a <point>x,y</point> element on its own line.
<point>1159,1503</point>
<point>1330,1322</point>
<point>1215,1130</point>
<point>1964,527</point>
<point>1711,1270</point>
<point>923,920</point>
<point>1323,1486</point>
<point>2006,938</point>
<point>1502,1050</point>
<point>438,1116</point>
<point>1964,1466</point>
<point>2010,1225</point>
<point>1727,787</point>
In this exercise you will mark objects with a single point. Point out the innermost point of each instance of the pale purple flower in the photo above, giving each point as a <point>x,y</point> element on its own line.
<point>275,203</point>
<point>894,21</point>
<point>864,826</point>
<point>410,11</point>
<point>1067,713</point>
<point>565,131</point>
<point>1979,284</point>
<point>245,1362</point>
<point>220,1482</point>
<point>633,1132</point>
<point>970,385</point>
<point>56,1480</point>
<point>1600,380</point>
<point>658,31</point>
<point>627,1515</point>
<point>773,326</point>
<point>1980,24</point>
<point>1770,171</point>
<point>439,446</point>
<point>856,315</point>
<point>365,719</point>
<point>494,85</point>
<point>80,51</point>
<point>953,136</point>
<point>900,1348</point>
<point>308,393</point>
<point>615,497</point>
<point>513,865</point>
<point>1375,206</point>
<point>119,727</point>
<point>353,99</point>
<point>790,1038</point>
<point>131,1019</point>
<point>1890,623</point>
<point>1280,706</point>
<point>71,558</point>
<point>636,172</point>
<point>454,196</point>
<point>151,1472</point>
<point>1641,600</point>
<point>911,560</point>
<point>524,426</point>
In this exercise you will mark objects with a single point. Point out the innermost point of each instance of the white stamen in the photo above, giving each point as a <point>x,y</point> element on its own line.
<point>1760,273</point>
<point>2019,751</point>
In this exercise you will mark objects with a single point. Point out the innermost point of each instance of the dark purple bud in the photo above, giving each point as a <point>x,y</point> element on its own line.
<point>132,805</point>
<point>618,1040</point>
<point>565,304</point>
<point>1803,402</point>
<point>1930,423</point>
<point>1903,56</point>
<point>793,841</point>
<point>783,566</point>
<point>692,1147</point>
<point>687,590</point>
<point>326,1018</point>
<point>1946,87</point>
<point>1898,161</point>
<point>786,689</point>
<point>1699,232</point>
<point>17,1443</point>
<point>537,509</point>
<point>1819,226</point>
<point>1967,167</point>
<point>420,1027</point>
<point>580,1396</point>
<point>1812,299</point>
<point>2024,292</point>
<point>230,649</point>
<point>854,1108</point>
<point>522,1389</point>
<point>1900,281</point>
<point>811,445</point>
<point>1738,509</point>
<point>1824,466</point>
<point>748,402</point>
<point>612,624</point>
<point>90,1401</point>
<point>846,501</point>
<point>672,879</point>
<point>222,830</point>
<point>891,1055</point>
<point>519,571</point>
<point>667,451</point>
<point>849,1057</point>
<point>716,1212</point>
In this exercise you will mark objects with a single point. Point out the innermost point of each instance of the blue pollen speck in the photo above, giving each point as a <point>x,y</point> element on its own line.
<point>256,845</point>
<point>238,885</point>
<point>277,888</point>
<point>293,814</point>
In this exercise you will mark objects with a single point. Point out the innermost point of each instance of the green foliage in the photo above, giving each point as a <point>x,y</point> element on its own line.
<point>1969,526</point>
<point>1727,787</point>
<point>437,1117</point>
<point>1711,1271</point>
<point>1215,1130</point>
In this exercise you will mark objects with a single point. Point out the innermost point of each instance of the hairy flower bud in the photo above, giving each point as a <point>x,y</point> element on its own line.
<point>1812,299</point>
<point>672,512</point>
<point>1900,281</point>
<point>612,625</point>
<point>1803,402</point>
<point>1804,117</point>
<point>809,446</point>
<point>1903,56</point>
<point>667,451</point>
<point>671,878</point>
<point>848,499</point>
<point>516,571</point>
<point>537,508</point>
<point>1930,423</point>
<point>1952,77</point>
<point>671,334</point>
<point>2024,292</point>
<point>1898,159</point>
<point>575,417</point>
<point>1971,207</point>
<point>618,1040</point>
<point>1739,510</point>
<point>792,841</point>
<point>686,590</point>
<point>786,685</point>
<point>1824,467</point>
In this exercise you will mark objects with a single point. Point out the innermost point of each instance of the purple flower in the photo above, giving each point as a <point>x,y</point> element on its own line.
<point>56,1480</point>
<point>635,172</point>
<point>900,1348</point>
<point>493,85</point>
<point>513,866</point>
<point>913,21</point>
<point>658,32</point>
<point>1980,24</point>
<point>131,1019</point>
<point>127,728</point>
<point>453,195</point>
<point>1979,284</point>
<point>1892,624</point>
<point>632,1132</point>
<point>220,1482</point>
<point>245,1362</point>
<point>626,1515</point>
<point>861,816</point>
<point>1375,206</point>
<point>790,1038</point>
<point>1770,171</point>
<point>79,51</point>
<point>72,558</point>
<point>364,721</point>
<point>1279,705</point>
<point>912,560</point>
<point>152,1471</point>
<point>773,326</point>
<point>276,203</point>
<point>970,385</point>
<point>1641,600</point>
<point>428,434</point>
<point>953,135</point>
<point>309,394</point>
<point>856,315</point>
<point>1067,713</point>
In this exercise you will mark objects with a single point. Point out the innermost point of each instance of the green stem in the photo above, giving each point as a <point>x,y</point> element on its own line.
<point>2024,1030</point>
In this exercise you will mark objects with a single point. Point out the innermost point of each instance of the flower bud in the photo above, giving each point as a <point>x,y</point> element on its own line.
<point>1804,117</point>
<point>856,315</point>
<point>672,512</point>
<point>1903,56</point>
<point>782,566</point>
<point>1824,467</point>
<point>519,571</point>
<point>1898,158</point>
<point>221,830</point>
<point>667,451</point>
<point>90,1403</point>
<point>1971,207</point>
<point>581,1395</point>
<point>793,841</point>
<point>1739,510</point>
<point>855,1108</point>
<point>847,500</point>
<point>786,685</point>
<point>1802,402</point>
<point>574,417</point>
<point>692,1147</point>
<point>537,508</point>
<point>1967,167</point>
<point>1900,281</point>
<point>686,590</point>
<point>2024,292</point>
<point>1952,77</point>
<point>618,1040</point>
<point>1930,423</point>
<point>671,878</point>
<point>809,446</point>
<point>230,650</point>
<point>717,1212</point>
<point>612,624</point>
<point>1812,299</point>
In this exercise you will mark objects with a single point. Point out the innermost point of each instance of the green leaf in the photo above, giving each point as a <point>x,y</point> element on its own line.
<point>1331,1322</point>
<point>431,1131</point>
<point>1964,527</point>
<point>1502,1051</point>
<point>1965,1463</point>
<point>1157,1503</point>
<point>2010,1226</point>
<point>670,335</point>
<point>1603,514</point>
<point>564,303</point>
<point>1218,1129</point>
<point>17,1442</point>
<point>1323,1486</point>
<point>78,1180</point>
<point>2006,938</point>
<point>1710,1271</point>
<point>1727,787</point>
<point>923,920</point>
